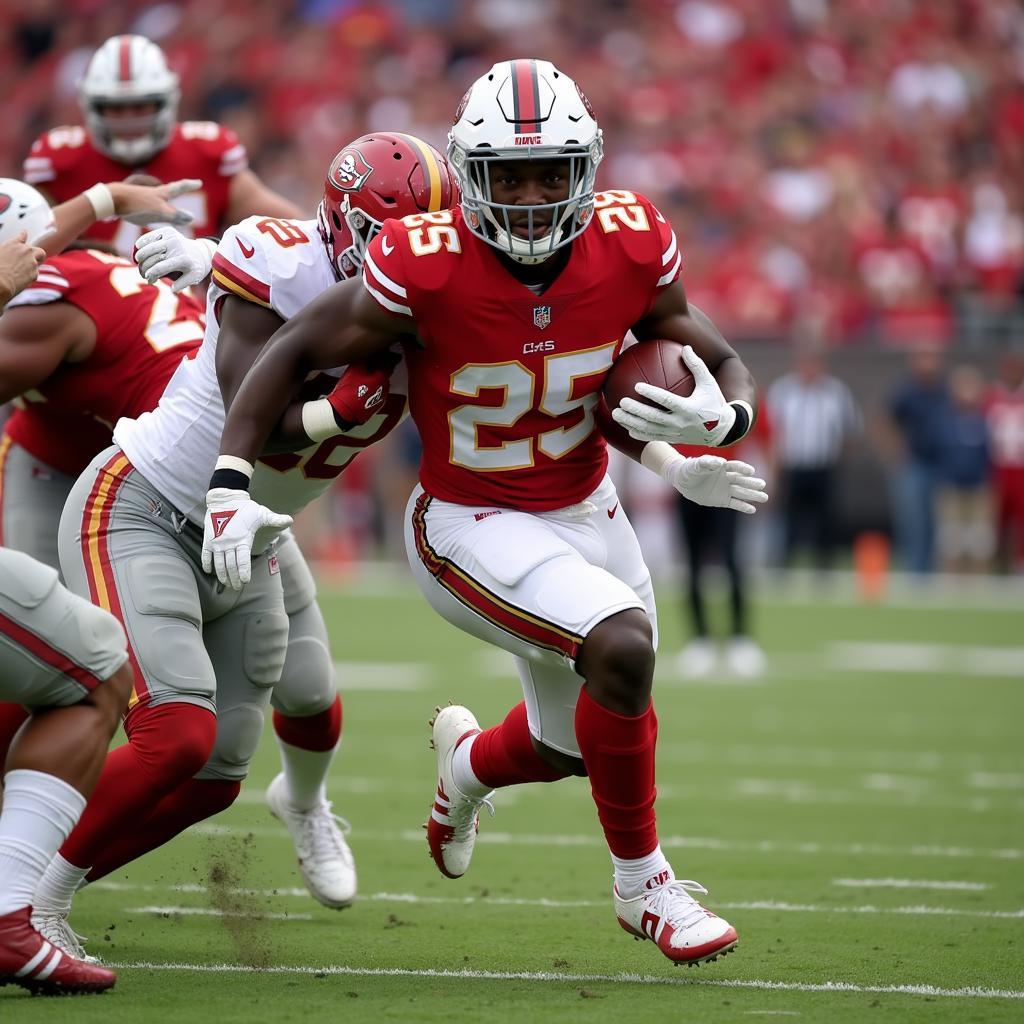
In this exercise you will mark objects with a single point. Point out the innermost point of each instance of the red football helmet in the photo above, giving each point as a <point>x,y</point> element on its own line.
<point>386,174</point>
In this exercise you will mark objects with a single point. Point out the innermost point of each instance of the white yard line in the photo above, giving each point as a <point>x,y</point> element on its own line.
<point>909,883</point>
<point>560,977</point>
<point>773,906</point>
<point>947,659</point>
<point>383,676</point>
<point>763,846</point>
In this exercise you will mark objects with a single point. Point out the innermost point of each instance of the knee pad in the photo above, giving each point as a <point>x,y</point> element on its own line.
<point>238,735</point>
<point>307,685</point>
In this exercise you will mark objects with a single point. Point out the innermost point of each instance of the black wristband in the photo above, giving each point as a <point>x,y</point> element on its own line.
<point>740,425</point>
<point>230,478</point>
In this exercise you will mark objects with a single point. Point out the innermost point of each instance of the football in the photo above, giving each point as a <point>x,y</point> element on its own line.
<point>657,362</point>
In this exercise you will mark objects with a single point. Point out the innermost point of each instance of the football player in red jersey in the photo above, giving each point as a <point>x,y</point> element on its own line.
<point>513,307</point>
<point>88,341</point>
<point>129,99</point>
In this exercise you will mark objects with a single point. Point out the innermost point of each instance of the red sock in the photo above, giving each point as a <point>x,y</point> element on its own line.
<point>191,802</point>
<point>318,733</point>
<point>505,755</point>
<point>12,718</point>
<point>619,755</point>
<point>166,746</point>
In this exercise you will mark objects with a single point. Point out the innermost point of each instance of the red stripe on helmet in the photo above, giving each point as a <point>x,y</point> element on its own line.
<point>125,59</point>
<point>526,97</point>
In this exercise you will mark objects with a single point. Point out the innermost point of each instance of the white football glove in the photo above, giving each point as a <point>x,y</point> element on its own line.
<point>164,251</point>
<point>703,418</point>
<point>232,521</point>
<point>707,479</point>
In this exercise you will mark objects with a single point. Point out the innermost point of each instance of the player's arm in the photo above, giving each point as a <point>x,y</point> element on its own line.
<point>249,196</point>
<point>35,340</point>
<point>342,326</point>
<point>116,199</point>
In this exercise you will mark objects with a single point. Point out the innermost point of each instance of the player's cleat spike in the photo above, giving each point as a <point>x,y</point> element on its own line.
<point>685,931</point>
<point>325,860</point>
<point>454,818</point>
<point>54,927</point>
<point>32,961</point>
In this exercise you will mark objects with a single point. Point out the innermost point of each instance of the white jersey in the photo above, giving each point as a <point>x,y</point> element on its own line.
<point>283,265</point>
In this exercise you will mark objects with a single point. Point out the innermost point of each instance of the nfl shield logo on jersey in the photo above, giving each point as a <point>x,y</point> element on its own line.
<point>541,317</point>
<point>350,171</point>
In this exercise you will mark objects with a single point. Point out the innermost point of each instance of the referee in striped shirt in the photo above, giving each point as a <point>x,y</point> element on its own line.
<point>814,415</point>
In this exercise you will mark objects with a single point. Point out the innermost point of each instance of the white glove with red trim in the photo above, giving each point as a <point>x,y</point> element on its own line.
<point>707,479</point>
<point>704,417</point>
<point>164,252</point>
<point>232,521</point>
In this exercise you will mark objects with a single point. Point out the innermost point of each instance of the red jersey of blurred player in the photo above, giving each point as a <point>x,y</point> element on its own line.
<point>505,382</point>
<point>142,333</point>
<point>130,99</point>
<point>1005,415</point>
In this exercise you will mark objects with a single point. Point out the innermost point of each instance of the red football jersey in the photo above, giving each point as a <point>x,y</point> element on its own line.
<point>142,333</point>
<point>1005,413</point>
<point>65,163</point>
<point>504,384</point>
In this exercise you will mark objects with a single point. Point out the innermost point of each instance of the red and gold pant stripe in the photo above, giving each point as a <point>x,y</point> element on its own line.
<point>96,553</point>
<point>471,592</point>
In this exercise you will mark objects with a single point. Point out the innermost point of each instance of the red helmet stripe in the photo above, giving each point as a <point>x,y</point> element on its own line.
<point>428,161</point>
<point>125,59</point>
<point>526,97</point>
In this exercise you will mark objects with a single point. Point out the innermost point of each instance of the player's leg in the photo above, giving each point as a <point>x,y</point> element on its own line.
<point>246,646</point>
<point>67,659</point>
<point>697,658</point>
<point>32,495</point>
<point>307,726</point>
<point>121,547</point>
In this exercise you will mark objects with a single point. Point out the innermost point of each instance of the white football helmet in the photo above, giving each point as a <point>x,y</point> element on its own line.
<point>22,208</point>
<point>525,110</point>
<point>128,70</point>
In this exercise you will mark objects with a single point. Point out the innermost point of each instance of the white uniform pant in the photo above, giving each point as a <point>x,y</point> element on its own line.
<point>534,584</point>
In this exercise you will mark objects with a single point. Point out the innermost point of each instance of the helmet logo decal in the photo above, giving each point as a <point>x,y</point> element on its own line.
<point>350,171</point>
<point>461,109</point>
<point>586,103</point>
<point>5,202</point>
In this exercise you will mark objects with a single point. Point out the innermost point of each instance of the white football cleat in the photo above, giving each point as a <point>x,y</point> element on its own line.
<point>685,931</point>
<point>744,657</point>
<point>56,930</point>
<point>697,659</point>
<point>455,817</point>
<point>325,861</point>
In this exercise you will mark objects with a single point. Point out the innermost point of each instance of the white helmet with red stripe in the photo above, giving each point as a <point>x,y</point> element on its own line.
<point>525,109</point>
<point>22,208</point>
<point>129,72</point>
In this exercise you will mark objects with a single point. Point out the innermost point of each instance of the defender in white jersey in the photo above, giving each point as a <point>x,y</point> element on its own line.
<point>131,536</point>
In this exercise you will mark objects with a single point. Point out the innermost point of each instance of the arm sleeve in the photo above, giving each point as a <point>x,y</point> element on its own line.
<point>384,275</point>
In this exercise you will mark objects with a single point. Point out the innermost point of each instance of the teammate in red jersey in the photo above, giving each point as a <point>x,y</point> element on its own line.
<point>1005,415</point>
<point>513,308</point>
<point>129,100</point>
<point>87,342</point>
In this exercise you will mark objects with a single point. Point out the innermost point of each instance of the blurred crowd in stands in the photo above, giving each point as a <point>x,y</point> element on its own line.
<point>842,174</point>
<point>854,169</point>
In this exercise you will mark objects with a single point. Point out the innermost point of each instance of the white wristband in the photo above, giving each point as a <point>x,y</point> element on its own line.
<point>101,201</point>
<point>318,420</point>
<point>235,463</point>
<point>657,456</point>
<point>211,245</point>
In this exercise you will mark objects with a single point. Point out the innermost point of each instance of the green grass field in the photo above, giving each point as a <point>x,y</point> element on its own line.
<point>857,818</point>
